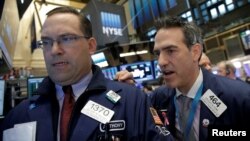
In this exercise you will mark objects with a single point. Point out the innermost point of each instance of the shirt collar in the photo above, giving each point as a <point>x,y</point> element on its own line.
<point>77,88</point>
<point>192,92</point>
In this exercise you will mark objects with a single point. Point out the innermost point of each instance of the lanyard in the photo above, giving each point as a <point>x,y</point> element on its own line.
<point>192,111</point>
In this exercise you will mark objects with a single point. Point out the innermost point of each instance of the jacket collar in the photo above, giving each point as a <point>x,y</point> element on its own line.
<point>47,86</point>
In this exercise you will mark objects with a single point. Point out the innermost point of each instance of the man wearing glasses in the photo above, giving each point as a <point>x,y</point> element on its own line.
<point>76,102</point>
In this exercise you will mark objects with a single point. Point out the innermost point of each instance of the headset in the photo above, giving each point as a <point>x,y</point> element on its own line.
<point>230,68</point>
<point>227,66</point>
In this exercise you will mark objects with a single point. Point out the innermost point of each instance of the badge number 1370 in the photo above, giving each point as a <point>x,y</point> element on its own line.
<point>97,112</point>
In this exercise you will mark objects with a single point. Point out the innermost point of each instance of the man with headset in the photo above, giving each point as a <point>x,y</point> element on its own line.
<point>227,70</point>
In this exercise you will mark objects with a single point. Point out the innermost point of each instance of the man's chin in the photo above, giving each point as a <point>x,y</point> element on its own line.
<point>61,80</point>
<point>170,84</point>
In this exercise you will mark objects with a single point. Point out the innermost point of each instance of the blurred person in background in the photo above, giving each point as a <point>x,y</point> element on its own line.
<point>205,62</point>
<point>227,70</point>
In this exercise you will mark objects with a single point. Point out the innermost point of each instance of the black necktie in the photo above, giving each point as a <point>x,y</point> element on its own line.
<point>68,104</point>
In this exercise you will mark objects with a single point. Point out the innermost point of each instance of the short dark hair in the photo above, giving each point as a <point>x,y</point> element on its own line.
<point>192,32</point>
<point>85,24</point>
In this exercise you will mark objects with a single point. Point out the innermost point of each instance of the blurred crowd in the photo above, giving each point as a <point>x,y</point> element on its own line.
<point>16,73</point>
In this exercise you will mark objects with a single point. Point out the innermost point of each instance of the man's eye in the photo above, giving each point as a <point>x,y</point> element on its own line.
<point>170,51</point>
<point>46,42</point>
<point>67,38</point>
<point>156,53</point>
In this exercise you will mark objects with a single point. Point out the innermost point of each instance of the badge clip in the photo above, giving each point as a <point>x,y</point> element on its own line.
<point>156,117</point>
<point>113,97</point>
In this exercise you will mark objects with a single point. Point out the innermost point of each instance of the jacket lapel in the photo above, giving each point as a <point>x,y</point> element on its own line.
<point>172,112</point>
<point>42,115</point>
<point>86,124</point>
<point>41,110</point>
<point>206,116</point>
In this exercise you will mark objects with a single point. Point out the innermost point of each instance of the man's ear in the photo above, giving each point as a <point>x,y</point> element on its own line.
<point>92,45</point>
<point>196,51</point>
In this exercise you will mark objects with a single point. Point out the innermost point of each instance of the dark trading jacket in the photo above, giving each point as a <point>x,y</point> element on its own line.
<point>132,109</point>
<point>234,94</point>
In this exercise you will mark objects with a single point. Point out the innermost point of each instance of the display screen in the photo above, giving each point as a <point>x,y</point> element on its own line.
<point>100,59</point>
<point>233,46</point>
<point>138,7</point>
<point>245,38</point>
<point>246,66</point>
<point>141,71</point>
<point>2,90</point>
<point>132,13</point>
<point>146,10</point>
<point>32,84</point>
<point>157,70</point>
<point>110,72</point>
<point>155,10</point>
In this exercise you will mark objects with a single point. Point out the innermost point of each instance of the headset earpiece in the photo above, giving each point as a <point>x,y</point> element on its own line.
<point>227,69</point>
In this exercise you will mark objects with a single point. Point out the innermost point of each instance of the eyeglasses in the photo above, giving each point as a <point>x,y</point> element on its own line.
<point>64,41</point>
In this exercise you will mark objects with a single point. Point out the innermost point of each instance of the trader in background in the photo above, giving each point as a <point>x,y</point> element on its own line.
<point>227,70</point>
<point>76,102</point>
<point>205,62</point>
<point>194,101</point>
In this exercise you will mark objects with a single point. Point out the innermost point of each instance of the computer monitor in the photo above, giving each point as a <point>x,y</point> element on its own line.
<point>2,92</point>
<point>100,59</point>
<point>233,46</point>
<point>32,85</point>
<point>245,38</point>
<point>110,72</point>
<point>157,70</point>
<point>141,71</point>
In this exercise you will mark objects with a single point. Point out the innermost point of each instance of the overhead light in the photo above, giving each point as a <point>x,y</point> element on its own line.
<point>22,1</point>
<point>133,53</point>
<point>142,52</point>
<point>248,32</point>
<point>127,54</point>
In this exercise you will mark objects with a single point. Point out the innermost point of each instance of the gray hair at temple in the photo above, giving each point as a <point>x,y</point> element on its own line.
<point>192,32</point>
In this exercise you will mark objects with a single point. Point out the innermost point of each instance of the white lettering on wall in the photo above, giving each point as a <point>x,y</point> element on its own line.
<point>112,31</point>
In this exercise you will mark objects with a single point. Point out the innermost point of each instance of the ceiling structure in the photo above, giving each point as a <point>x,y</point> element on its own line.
<point>79,4</point>
<point>86,1</point>
<point>119,2</point>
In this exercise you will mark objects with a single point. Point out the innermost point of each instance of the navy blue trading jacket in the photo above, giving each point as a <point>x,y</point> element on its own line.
<point>132,108</point>
<point>234,94</point>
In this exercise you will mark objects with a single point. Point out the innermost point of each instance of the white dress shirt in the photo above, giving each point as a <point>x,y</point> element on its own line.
<point>78,89</point>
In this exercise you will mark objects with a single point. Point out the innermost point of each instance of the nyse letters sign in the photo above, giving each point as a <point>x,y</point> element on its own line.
<point>108,22</point>
<point>111,24</point>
